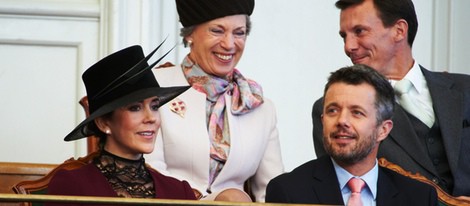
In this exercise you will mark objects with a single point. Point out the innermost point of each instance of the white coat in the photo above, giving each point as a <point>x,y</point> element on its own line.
<point>182,146</point>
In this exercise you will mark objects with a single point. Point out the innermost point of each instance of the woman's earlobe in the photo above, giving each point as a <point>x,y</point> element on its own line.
<point>102,125</point>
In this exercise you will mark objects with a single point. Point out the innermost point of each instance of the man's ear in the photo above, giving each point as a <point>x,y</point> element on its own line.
<point>401,30</point>
<point>384,129</point>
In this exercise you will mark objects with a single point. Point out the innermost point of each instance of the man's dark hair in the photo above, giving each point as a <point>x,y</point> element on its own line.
<point>390,11</point>
<point>359,74</point>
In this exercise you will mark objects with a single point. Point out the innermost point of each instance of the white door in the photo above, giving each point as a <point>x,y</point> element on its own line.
<point>44,48</point>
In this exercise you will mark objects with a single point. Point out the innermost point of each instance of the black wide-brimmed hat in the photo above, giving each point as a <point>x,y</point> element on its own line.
<point>117,80</point>
<point>193,12</point>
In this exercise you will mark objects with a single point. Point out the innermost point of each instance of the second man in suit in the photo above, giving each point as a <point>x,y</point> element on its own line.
<point>356,117</point>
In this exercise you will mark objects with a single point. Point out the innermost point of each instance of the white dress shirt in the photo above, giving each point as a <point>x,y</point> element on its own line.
<point>420,91</point>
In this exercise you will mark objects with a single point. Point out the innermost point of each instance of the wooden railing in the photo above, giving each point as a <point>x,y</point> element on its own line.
<point>12,173</point>
<point>122,201</point>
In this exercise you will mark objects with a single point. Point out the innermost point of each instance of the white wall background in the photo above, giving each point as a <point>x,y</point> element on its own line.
<point>293,47</point>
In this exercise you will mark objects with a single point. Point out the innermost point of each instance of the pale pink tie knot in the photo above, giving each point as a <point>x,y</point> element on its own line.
<point>356,184</point>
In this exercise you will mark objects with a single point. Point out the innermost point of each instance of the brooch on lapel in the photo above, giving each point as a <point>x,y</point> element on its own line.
<point>178,106</point>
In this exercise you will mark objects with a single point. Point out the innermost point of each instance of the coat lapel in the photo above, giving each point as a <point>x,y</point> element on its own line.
<point>447,105</point>
<point>326,184</point>
<point>448,108</point>
<point>404,135</point>
<point>387,192</point>
<point>189,131</point>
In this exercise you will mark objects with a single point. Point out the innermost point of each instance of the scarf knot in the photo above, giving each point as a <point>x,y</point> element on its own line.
<point>246,95</point>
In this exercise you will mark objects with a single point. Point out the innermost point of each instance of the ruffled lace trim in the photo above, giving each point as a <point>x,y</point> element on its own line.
<point>129,178</point>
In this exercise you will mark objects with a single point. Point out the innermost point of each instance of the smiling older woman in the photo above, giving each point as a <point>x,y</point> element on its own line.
<point>222,131</point>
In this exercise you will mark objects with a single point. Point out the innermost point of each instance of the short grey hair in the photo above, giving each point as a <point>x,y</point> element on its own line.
<point>186,31</point>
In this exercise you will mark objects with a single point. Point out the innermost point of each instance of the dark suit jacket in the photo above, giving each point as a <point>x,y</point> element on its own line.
<point>450,94</point>
<point>89,181</point>
<point>315,182</point>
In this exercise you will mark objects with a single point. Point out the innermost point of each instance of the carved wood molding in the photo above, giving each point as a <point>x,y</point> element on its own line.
<point>442,195</point>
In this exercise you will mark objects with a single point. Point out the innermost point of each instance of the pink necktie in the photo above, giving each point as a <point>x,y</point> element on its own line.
<point>355,185</point>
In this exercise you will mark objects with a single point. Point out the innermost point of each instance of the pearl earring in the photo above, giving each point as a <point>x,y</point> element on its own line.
<point>190,42</point>
<point>108,131</point>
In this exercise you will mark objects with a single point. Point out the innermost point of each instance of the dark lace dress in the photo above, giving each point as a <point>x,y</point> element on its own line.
<point>129,178</point>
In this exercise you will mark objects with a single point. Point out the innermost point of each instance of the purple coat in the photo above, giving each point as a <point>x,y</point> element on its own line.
<point>89,181</point>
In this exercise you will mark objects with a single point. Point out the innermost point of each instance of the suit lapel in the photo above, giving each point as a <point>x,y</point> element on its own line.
<point>447,104</point>
<point>404,135</point>
<point>387,192</point>
<point>191,129</point>
<point>326,184</point>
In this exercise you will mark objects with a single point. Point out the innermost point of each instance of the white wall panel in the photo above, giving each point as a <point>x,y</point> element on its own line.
<point>459,36</point>
<point>38,93</point>
<point>45,47</point>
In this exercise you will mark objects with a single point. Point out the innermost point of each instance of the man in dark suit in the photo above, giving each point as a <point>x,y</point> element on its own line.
<point>380,34</point>
<point>357,113</point>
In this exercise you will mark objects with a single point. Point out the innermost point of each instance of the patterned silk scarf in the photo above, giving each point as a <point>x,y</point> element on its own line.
<point>246,96</point>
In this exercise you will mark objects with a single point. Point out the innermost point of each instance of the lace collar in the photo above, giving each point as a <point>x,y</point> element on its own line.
<point>129,178</point>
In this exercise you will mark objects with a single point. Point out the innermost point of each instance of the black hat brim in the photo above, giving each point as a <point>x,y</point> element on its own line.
<point>164,95</point>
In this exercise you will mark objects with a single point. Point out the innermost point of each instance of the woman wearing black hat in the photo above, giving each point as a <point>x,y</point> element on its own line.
<point>124,98</point>
<point>222,131</point>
